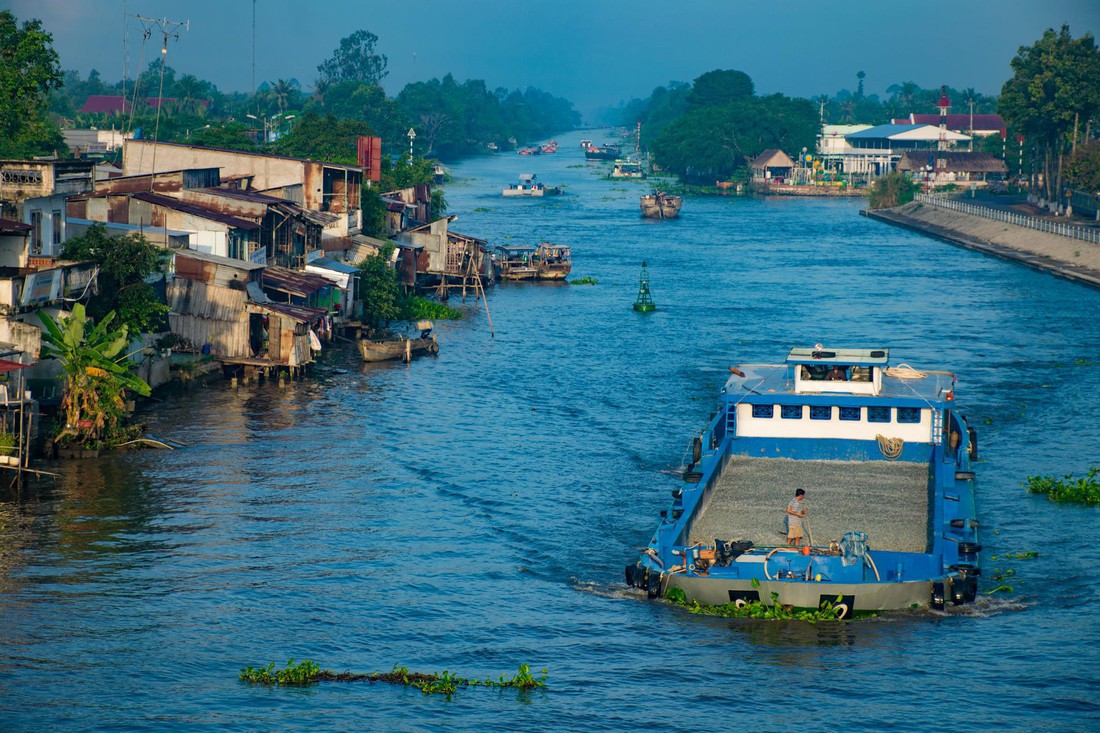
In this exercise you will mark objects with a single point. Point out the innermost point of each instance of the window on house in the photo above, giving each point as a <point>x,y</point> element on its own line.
<point>821,412</point>
<point>878,414</point>
<point>764,411</point>
<point>909,415</point>
<point>55,223</point>
<point>36,232</point>
<point>791,412</point>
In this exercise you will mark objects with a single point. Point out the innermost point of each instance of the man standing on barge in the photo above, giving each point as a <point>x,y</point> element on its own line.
<point>796,510</point>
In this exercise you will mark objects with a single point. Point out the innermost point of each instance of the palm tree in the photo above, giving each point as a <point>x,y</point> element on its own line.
<point>284,92</point>
<point>861,76</point>
<point>96,376</point>
<point>188,90</point>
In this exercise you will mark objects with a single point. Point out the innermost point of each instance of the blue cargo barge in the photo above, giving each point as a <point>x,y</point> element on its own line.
<point>885,459</point>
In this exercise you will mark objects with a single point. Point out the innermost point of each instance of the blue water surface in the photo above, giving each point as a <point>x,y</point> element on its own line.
<point>474,511</point>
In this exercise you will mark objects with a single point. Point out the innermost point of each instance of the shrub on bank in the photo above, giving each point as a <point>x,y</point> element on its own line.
<point>893,189</point>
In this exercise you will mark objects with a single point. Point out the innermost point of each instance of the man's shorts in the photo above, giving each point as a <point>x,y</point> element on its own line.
<point>794,532</point>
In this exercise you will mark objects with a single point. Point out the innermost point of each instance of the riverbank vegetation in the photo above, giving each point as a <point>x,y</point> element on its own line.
<point>384,299</point>
<point>1084,490</point>
<point>125,264</point>
<point>893,189</point>
<point>444,683</point>
<point>96,374</point>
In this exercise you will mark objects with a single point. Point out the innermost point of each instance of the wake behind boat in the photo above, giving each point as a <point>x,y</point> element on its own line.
<point>885,460</point>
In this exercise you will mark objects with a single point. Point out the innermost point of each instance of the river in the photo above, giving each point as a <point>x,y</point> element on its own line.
<point>474,511</point>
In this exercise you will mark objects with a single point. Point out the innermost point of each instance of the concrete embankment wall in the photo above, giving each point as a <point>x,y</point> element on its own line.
<point>1066,257</point>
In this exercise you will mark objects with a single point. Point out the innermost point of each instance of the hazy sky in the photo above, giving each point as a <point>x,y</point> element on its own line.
<point>592,52</point>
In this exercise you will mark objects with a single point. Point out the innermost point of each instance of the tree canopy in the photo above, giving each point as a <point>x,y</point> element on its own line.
<point>124,263</point>
<point>355,60</point>
<point>29,69</point>
<point>1055,88</point>
<point>719,87</point>
<point>723,127</point>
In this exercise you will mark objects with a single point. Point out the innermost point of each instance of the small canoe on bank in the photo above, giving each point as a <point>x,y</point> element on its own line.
<point>400,347</point>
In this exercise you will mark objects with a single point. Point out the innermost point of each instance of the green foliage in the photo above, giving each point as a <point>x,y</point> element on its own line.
<point>1083,168</point>
<point>893,189</point>
<point>355,59</point>
<point>710,143</point>
<point>29,69</point>
<point>828,611</point>
<point>720,87</point>
<point>443,683</point>
<point>1053,89</point>
<point>1085,490</point>
<point>7,442</point>
<point>297,675</point>
<point>415,308</point>
<point>379,288</point>
<point>124,264</point>
<point>454,119</point>
<point>323,138</point>
<point>228,135</point>
<point>96,375</point>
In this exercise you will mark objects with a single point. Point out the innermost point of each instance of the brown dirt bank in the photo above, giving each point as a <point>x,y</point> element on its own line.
<point>1063,256</point>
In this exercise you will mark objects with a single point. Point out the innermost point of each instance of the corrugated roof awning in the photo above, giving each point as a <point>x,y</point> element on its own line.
<point>11,366</point>
<point>300,313</point>
<point>301,284</point>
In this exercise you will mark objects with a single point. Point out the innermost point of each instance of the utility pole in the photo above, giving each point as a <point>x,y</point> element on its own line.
<point>168,29</point>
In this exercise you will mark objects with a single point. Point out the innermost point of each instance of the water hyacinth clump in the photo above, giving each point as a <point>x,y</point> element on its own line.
<point>441,683</point>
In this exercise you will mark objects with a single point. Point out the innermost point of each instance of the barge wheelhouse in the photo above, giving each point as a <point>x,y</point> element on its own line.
<point>885,459</point>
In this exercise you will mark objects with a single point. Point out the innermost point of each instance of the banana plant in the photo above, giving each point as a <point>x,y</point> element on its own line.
<point>96,376</point>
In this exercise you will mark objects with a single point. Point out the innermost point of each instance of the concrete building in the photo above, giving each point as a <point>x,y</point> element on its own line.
<point>319,187</point>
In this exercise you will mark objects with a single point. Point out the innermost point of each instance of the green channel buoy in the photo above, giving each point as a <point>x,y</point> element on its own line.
<point>644,303</point>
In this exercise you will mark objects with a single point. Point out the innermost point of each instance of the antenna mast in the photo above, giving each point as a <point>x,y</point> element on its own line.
<point>168,29</point>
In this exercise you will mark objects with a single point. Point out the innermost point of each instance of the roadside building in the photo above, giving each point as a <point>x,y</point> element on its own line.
<point>34,192</point>
<point>772,164</point>
<point>979,125</point>
<point>219,308</point>
<point>875,151</point>
<point>937,168</point>
<point>316,186</point>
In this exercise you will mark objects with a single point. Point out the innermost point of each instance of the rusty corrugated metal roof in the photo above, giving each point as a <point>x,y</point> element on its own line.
<point>195,210</point>
<point>291,281</point>
<point>299,313</point>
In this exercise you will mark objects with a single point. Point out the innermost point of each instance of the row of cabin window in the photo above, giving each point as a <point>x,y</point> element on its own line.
<point>908,415</point>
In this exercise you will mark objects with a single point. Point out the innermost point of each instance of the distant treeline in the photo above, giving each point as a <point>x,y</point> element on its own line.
<point>709,129</point>
<point>448,118</point>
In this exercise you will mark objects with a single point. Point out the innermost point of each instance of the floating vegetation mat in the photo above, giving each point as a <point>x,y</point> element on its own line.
<point>1067,489</point>
<point>441,683</point>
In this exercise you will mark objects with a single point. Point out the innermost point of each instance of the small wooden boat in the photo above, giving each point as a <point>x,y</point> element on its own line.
<point>400,347</point>
<point>660,205</point>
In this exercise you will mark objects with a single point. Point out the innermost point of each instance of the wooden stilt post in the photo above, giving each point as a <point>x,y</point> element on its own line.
<point>480,285</point>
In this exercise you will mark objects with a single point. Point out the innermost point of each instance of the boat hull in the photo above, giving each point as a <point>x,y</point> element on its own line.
<point>664,207</point>
<point>855,598</point>
<point>390,349</point>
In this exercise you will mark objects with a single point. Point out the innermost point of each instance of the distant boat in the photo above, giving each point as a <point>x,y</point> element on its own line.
<point>550,147</point>
<point>627,169</point>
<point>660,205</point>
<point>532,150</point>
<point>607,151</point>
<point>524,262</point>
<point>528,186</point>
